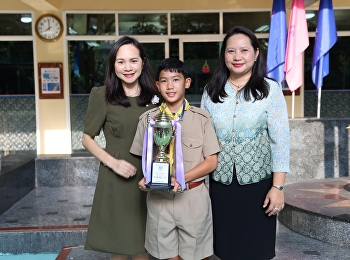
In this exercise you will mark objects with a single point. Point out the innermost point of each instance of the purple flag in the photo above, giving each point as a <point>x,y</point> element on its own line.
<point>277,41</point>
<point>326,37</point>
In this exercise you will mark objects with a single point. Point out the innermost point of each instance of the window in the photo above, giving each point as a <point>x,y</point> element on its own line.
<point>16,62</point>
<point>201,59</point>
<point>87,64</point>
<point>15,24</point>
<point>155,53</point>
<point>91,24</point>
<point>258,22</point>
<point>143,24</point>
<point>195,23</point>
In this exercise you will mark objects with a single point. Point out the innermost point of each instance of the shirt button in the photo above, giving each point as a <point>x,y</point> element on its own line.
<point>236,102</point>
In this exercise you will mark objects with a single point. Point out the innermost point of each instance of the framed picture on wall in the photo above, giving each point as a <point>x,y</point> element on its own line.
<point>50,80</point>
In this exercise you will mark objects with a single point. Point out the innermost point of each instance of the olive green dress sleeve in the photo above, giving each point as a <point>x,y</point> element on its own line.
<point>96,112</point>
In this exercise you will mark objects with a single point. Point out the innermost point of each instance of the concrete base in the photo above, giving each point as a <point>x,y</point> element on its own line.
<point>17,179</point>
<point>35,242</point>
<point>320,148</point>
<point>319,209</point>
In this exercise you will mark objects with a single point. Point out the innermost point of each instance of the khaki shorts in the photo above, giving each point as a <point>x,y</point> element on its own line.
<point>179,224</point>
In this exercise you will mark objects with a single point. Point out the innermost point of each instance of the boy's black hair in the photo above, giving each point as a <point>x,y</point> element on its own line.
<point>172,64</point>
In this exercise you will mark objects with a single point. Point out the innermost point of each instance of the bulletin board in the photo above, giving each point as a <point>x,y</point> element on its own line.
<point>50,80</point>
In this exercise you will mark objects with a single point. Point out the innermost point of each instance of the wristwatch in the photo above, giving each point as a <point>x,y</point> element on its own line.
<point>280,188</point>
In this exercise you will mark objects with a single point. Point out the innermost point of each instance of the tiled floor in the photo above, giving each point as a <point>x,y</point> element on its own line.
<point>50,207</point>
<point>68,208</point>
<point>290,246</point>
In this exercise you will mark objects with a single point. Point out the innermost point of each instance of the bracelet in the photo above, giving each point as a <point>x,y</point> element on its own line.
<point>280,188</point>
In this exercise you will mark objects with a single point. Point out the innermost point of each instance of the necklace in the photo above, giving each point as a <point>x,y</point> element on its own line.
<point>236,85</point>
<point>135,93</point>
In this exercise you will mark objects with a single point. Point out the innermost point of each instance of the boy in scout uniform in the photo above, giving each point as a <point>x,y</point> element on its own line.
<point>179,222</point>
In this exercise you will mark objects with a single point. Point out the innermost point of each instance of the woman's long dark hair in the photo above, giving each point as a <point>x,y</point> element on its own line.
<point>115,94</point>
<point>257,86</point>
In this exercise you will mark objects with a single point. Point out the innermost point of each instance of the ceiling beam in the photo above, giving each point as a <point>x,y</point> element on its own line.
<point>43,5</point>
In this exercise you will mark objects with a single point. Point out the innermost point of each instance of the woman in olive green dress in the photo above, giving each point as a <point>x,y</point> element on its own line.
<point>118,215</point>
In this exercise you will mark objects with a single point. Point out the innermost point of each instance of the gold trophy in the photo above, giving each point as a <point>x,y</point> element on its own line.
<point>160,176</point>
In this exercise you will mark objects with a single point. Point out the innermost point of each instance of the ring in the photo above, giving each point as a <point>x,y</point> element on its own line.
<point>275,208</point>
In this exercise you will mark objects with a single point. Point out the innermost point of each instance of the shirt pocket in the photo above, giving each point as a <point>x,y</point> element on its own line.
<point>192,149</point>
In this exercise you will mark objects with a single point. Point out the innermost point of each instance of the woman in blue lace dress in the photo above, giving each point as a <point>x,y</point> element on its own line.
<point>250,118</point>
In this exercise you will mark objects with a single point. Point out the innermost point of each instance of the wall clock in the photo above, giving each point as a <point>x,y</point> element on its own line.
<point>49,28</point>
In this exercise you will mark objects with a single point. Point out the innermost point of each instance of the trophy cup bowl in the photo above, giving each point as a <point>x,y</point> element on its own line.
<point>162,137</point>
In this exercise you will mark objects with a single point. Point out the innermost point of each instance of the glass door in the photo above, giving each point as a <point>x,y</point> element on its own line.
<point>155,51</point>
<point>201,58</point>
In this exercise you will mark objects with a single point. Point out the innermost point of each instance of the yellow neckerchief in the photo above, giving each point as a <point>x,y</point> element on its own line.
<point>170,155</point>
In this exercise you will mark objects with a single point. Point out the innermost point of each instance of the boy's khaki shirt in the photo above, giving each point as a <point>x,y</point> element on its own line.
<point>198,137</point>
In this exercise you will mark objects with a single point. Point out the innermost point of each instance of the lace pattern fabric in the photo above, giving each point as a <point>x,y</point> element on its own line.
<point>252,135</point>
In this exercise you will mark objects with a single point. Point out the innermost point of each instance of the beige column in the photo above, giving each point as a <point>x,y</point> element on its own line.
<point>53,115</point>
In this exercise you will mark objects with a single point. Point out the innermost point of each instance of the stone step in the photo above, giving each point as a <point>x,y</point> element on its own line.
<point>40,241</point>
<point>46,220</point>
<point>319,209</point>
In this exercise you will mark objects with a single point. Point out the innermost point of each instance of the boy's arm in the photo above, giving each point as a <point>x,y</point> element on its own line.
<point>207,166</point>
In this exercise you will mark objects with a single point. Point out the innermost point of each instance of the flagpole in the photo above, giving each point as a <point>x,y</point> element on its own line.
<point>325,38</point>
<point>319,103</point>
<point>293,99</point>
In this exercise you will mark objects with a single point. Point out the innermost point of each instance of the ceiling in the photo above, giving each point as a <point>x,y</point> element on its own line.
<point>54,4</point>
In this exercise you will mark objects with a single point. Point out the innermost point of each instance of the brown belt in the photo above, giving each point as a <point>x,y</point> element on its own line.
<point>194,184</point>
